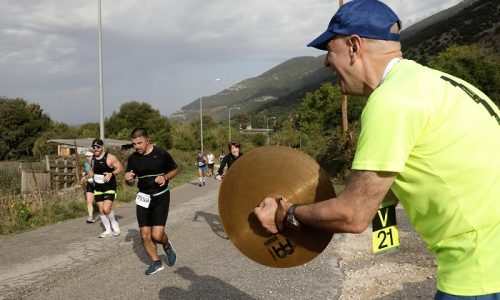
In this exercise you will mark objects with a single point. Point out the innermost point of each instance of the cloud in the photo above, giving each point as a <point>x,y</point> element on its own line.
<point>166,53</point>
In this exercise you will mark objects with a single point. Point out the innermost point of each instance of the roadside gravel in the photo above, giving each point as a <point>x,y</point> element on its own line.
<point>408,273</point>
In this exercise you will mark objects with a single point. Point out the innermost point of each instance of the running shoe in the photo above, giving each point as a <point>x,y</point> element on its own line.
<point>154,267</point>
<point>199,184</point>
<point>106,234</point>
<point>116,229</point>
<point>90,220</point>
<point>203,182</point>
<point>171,255</point>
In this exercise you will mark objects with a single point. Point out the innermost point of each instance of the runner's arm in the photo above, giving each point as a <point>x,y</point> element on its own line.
<point>113,162</point>
<point>222,165</point>
<point>352,211</point>
<point>171,174</point>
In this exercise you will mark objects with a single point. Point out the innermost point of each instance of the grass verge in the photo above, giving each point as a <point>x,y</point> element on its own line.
<point>18,215</point>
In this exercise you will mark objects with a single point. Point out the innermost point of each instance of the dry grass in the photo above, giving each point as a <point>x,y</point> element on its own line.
<point>18,214</point>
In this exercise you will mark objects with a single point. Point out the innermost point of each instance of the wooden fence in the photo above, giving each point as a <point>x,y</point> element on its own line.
<point>64,171</point>
<point>60,173</point>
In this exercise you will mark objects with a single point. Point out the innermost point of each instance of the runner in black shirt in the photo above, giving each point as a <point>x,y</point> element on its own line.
<point>153,167</point>
<point>104,168</point>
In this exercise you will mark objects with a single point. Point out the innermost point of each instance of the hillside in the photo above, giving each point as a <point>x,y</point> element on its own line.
<point>469,22</point>
<point>287,78</point>
<point>279,90</point>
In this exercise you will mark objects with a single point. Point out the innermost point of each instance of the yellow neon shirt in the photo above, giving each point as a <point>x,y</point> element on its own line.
<point>442,136</point>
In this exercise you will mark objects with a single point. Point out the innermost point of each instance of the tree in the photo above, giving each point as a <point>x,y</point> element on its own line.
<point>319,121</point>
<point>322,110</point>
<point>286,134</point>
<point>259,140</point>
<point>211,137</point>
<point>134,114</point>
<point>21,124</point>
<point>89,130</point>
<point>476,65</point>
<point>55,130</point>
<point>183,138</point>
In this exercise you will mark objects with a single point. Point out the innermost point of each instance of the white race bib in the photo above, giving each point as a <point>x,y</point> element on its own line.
<point>98,178</point>
<point>143,200</point>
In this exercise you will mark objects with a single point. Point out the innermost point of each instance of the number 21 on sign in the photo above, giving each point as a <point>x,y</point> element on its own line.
<point>385,234</point>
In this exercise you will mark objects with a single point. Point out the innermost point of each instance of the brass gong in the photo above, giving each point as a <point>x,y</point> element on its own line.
<point>272,172</point>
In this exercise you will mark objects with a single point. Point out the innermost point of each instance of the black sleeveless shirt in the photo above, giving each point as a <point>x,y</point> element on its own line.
<point>100,167</point>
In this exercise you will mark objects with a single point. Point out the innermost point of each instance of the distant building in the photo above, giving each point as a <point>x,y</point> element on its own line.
<point>250,130</point>
<point>66,147</point>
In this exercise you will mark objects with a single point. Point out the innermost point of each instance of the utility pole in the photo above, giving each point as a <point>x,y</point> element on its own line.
<point>201,123</point>
<point>101,92</point>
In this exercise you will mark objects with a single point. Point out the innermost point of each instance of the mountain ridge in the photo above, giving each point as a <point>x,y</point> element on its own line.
<point>284,86</point>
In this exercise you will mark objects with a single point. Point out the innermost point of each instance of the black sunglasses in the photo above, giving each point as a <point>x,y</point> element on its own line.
<point>96,147</point>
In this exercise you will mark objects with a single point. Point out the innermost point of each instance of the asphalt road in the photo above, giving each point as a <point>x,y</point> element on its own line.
<point>68,261</point>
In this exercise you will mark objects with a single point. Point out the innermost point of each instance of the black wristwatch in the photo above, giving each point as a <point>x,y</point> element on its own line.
<point>291,221</point>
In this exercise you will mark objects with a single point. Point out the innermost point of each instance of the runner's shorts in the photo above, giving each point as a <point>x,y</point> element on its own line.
<point>107,195</point>
<point>89,188</point>
<point>157,212</point>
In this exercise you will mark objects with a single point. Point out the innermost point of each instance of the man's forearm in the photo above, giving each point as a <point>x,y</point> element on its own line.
<point>353,210</point>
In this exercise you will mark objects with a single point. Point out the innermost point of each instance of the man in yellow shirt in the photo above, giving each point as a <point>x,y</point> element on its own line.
<point>430,138</point>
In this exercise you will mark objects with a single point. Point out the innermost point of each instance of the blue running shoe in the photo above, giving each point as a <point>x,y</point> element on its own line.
<point>171,255</point>
<point>154,267</point>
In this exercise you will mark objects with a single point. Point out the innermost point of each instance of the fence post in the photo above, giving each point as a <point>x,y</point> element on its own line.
<point>47,163</point>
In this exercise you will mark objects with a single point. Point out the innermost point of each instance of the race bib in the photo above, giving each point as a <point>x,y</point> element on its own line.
<point>201,164</point>
<point>98,178</point>
<point>143,200</point>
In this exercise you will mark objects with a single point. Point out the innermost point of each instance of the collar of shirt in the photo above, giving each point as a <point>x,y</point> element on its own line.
<point>389,67</point>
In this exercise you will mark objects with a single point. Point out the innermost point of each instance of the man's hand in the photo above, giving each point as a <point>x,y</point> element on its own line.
<point>107,176</point>
<point>271,213</point>
<point>130,177</point>
<point>160,180</point>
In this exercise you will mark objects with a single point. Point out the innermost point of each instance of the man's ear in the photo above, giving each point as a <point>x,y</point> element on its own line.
<point>355,46</point>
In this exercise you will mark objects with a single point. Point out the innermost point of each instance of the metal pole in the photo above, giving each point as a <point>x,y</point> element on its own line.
<point>101,92</point>
<point>201,123</point>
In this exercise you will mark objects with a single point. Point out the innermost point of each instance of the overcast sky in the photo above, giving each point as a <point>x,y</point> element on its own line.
<point>164,52</point>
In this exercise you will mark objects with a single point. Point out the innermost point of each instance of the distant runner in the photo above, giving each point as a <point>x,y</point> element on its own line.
<point>211,163</point>
<point>89,187</point>
<point>201,164</point>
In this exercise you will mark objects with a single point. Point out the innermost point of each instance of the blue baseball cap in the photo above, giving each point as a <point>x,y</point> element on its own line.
<point>367,18</point>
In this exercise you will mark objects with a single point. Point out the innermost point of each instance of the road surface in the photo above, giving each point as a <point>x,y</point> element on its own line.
<point>68,261</point>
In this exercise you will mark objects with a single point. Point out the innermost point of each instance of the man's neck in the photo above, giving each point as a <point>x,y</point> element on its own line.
<point>149,149</point>
<point>376,72</point>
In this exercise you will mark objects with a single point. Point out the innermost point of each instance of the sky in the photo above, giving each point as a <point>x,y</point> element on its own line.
<point>164,52</point>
